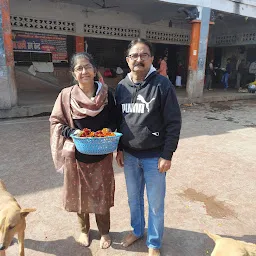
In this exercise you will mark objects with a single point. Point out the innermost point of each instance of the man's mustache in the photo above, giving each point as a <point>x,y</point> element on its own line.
<point>139,64</point>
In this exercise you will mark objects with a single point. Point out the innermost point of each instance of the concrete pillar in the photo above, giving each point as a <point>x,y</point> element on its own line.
<point>8,90</point>
<point>80,44</point>
<point>198,51</point>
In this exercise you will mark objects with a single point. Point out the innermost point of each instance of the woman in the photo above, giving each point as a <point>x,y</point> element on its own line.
<point>88,180</point>
<point>163,67</point>
<point>179,75</point>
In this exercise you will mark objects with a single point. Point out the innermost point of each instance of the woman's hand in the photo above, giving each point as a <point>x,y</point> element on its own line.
<point>120,158</point>
<point>77,132</point>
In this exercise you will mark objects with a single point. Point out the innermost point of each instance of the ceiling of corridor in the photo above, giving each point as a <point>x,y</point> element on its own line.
<point>149,10</point>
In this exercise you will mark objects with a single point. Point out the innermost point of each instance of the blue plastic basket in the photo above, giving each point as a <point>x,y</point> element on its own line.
<point>96,145</point>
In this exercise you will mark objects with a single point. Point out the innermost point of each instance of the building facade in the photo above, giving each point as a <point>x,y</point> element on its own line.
<point>64,27</point>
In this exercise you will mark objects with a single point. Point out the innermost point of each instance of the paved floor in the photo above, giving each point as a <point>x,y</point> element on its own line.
<point>37,96</point>
<point>47,97</point>
<point>211,185</point>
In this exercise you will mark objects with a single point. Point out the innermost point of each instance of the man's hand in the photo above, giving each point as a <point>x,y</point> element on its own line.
<point>164,165</point>
<point>120,158</point>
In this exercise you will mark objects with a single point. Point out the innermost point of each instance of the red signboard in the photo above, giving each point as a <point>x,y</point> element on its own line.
<point>39,42</point>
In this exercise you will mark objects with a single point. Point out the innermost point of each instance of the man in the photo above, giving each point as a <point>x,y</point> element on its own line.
<point>157,64</point>
<point>225,77</point>
<point>209,75</point>
<point>150,123</point>
<point>241,70</point>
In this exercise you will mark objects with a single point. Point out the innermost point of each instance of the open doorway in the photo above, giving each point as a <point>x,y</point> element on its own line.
<point>175,54</point>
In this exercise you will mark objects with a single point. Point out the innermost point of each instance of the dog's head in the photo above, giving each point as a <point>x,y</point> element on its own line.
<point>227,246</point>
<point>12,221</point>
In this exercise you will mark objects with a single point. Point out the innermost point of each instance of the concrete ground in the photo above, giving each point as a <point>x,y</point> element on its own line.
<point>32,102</point>
<point>211,185</point>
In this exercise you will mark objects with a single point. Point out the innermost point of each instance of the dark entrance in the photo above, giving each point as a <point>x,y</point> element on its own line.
<point>175,54</point>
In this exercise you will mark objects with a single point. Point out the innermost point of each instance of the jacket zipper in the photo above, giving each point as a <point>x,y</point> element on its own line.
<point>135,94</point>
<point>138,86</point>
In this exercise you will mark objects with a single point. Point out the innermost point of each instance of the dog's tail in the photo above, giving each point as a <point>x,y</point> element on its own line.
<point>212,236</point>
<point>2,186</point>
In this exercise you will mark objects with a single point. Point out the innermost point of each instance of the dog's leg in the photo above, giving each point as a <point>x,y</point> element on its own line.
<point>2,185</point>
<point>21,236</point>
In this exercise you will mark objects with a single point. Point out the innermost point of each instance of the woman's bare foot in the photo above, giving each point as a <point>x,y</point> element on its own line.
<point>84,239</point>
<point>105,241</point>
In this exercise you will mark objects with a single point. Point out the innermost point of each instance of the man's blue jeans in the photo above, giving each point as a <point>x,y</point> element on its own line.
<point>224,80</point>
<point>138,173</point>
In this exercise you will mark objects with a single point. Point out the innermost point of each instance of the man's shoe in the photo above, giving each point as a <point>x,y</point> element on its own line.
<point>153,252</point>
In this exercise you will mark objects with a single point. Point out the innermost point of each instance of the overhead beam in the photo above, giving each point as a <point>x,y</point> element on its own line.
<point>245,8</point>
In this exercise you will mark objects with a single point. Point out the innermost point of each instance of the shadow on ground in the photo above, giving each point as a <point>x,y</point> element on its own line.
<point>63,247</point>
<point>178,242</point>
<point>175,242</point>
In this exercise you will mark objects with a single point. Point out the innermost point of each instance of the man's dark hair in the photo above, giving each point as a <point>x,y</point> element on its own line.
<point>142,41</point>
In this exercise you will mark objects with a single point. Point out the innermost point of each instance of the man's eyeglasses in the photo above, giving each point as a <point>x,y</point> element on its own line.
<point>80,69</point>
<point>135,56</point>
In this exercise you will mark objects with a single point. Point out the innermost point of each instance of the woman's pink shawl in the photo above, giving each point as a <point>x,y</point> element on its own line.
<point>82,106</point>
<point>71,103</point>
<point>61,115</point>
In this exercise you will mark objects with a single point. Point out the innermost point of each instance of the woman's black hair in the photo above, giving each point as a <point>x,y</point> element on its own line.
<point>85,55</point>
<point>142,41</point>
<point>79,55</point>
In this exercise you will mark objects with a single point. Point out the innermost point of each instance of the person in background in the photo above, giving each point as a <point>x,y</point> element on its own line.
<point>210,73</point>
<point>88,179</point>
<point>150,123</point>
<point>158,62</point>
<point>163,67</point>
<point>241,72</point>
<point>226,74</point>
<point>179,75</point>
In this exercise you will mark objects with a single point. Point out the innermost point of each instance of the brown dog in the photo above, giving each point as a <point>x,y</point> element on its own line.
<point>12,220</point>
<point>231,247</point>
